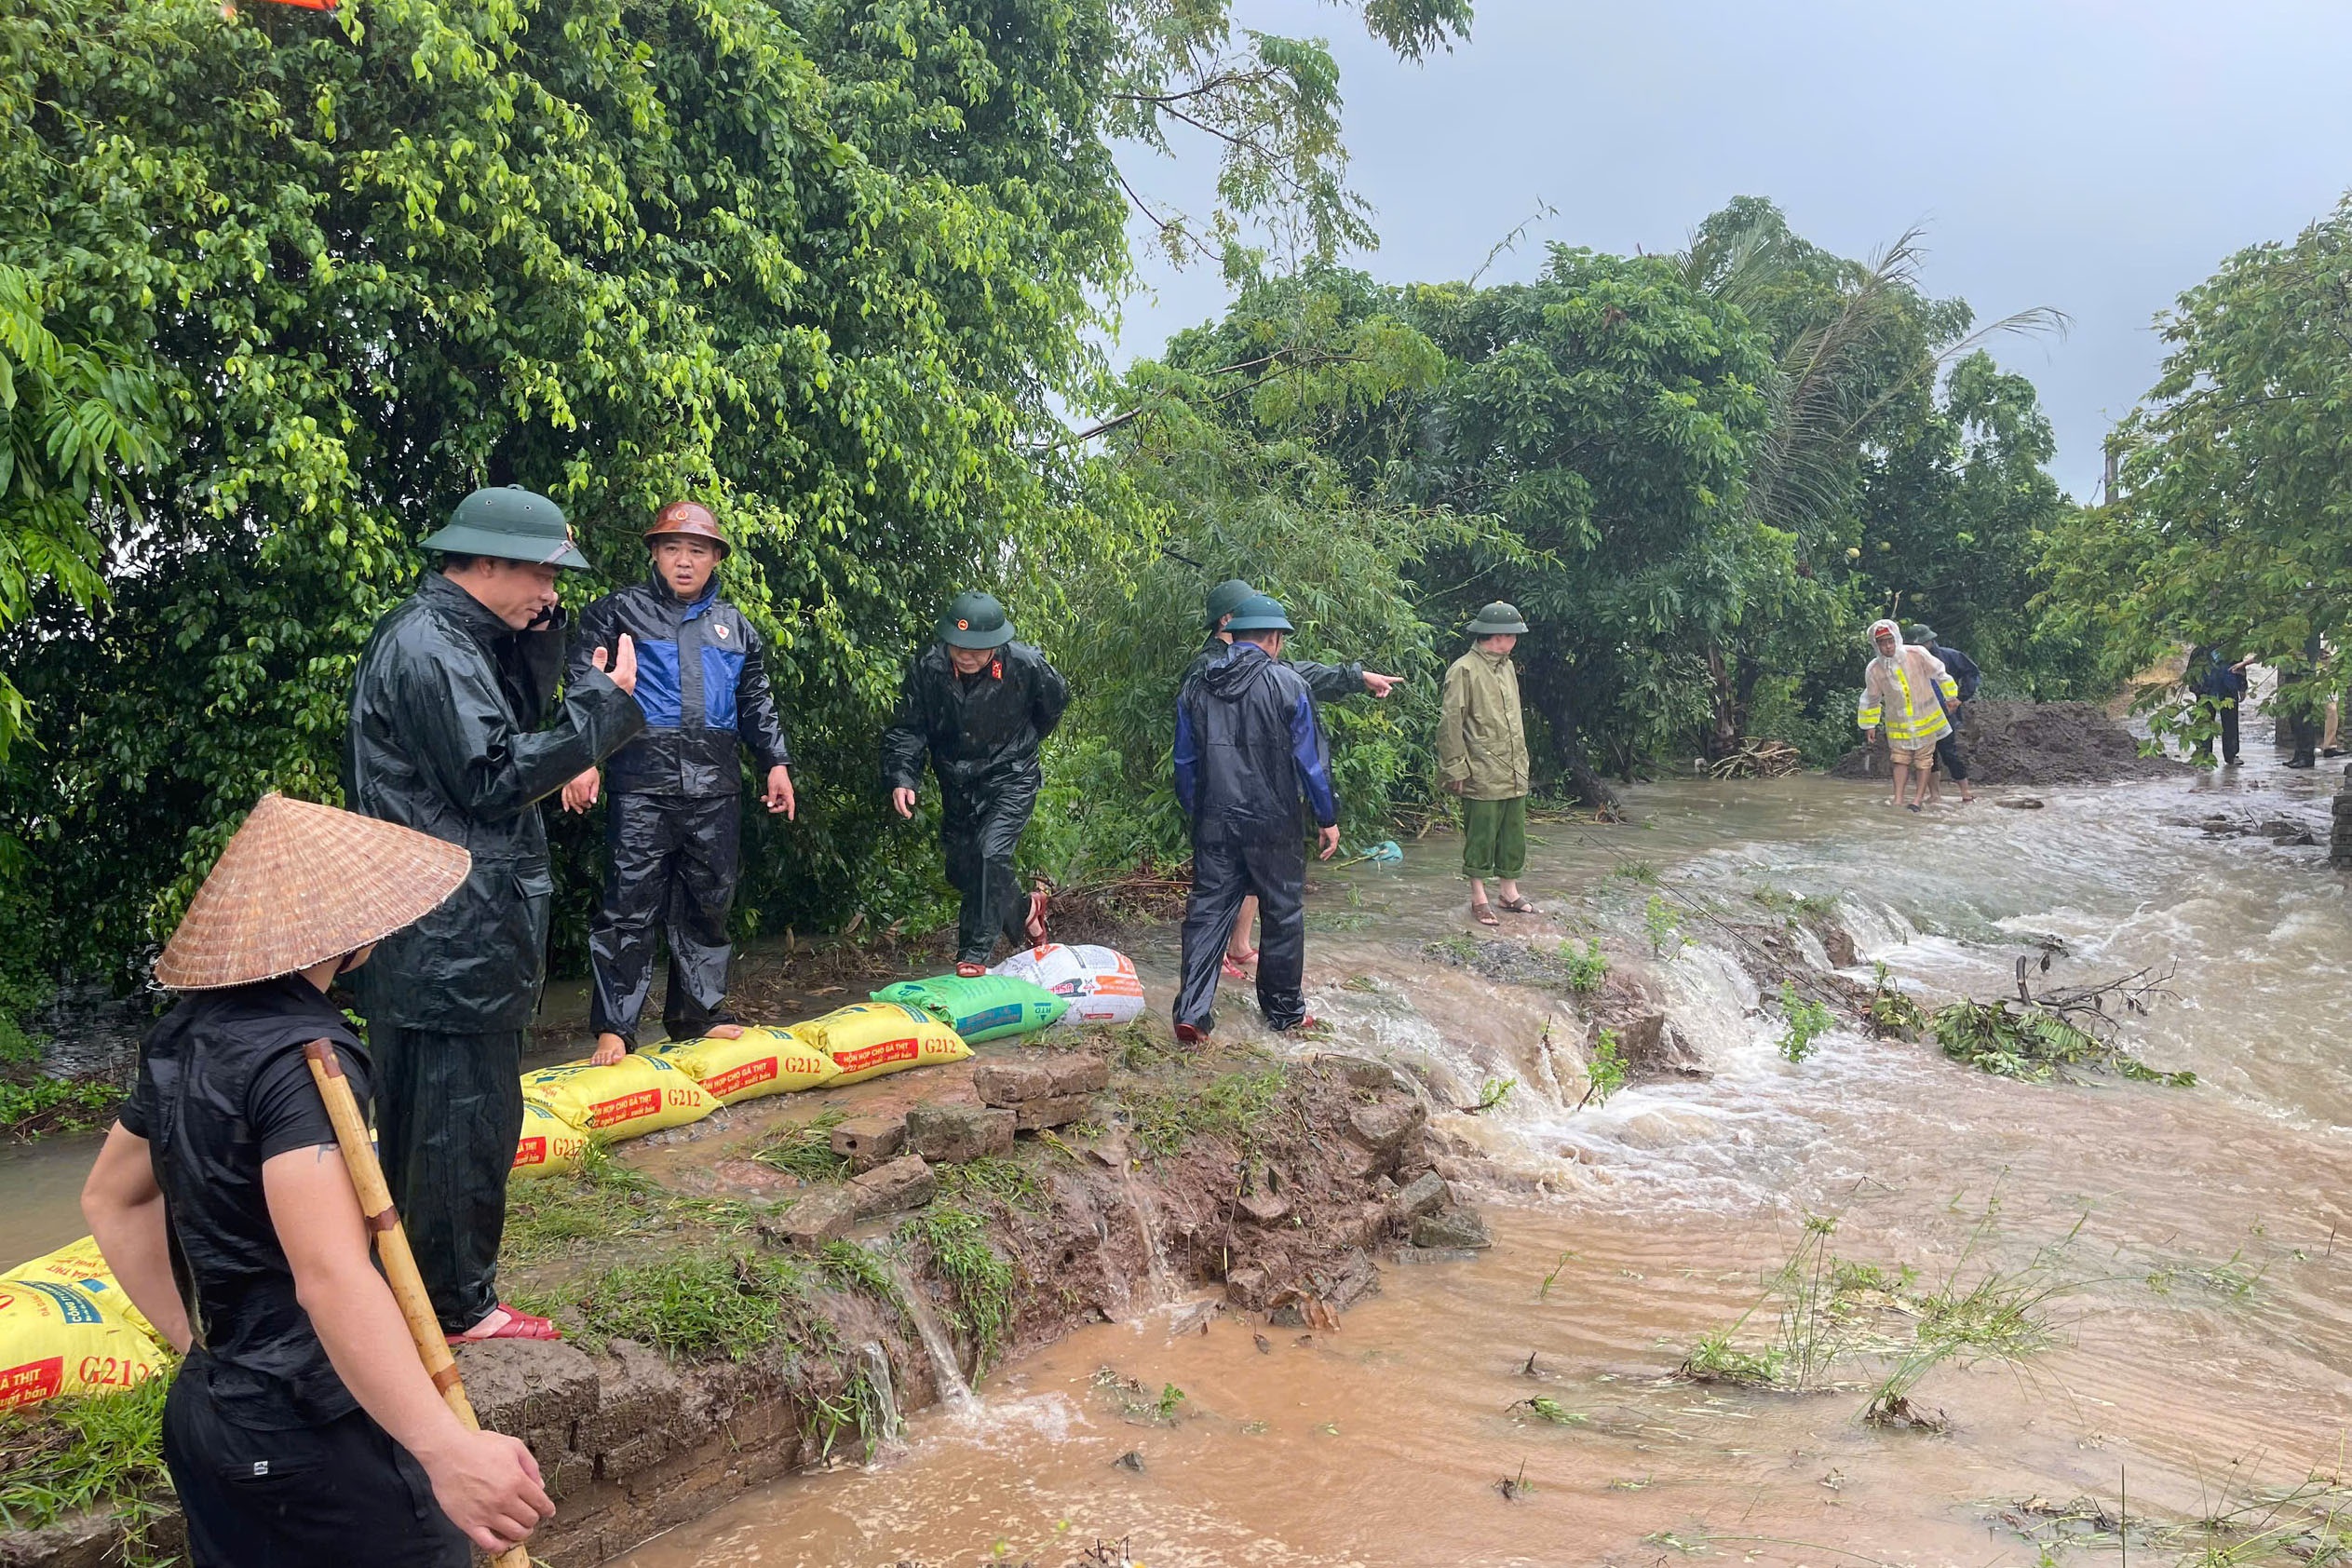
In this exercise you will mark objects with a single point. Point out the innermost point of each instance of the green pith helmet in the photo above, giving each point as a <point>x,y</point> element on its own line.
<point>513,524</point>
<point>975,620</point>
<point>1922,634</point>
<point>1498,619</point>
<point>1258,613</point>
<point>1226,598</point>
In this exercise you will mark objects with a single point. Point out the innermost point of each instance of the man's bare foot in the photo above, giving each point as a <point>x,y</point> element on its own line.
<point>723,1032</point>
<point>610,1049</point>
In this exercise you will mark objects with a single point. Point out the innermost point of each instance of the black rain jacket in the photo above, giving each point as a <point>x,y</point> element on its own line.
<point>702,682</point>
<point>981,735</point>
<point>444,737</point>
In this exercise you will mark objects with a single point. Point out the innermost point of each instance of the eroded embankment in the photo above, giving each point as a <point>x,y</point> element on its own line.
<point>742,1302</point>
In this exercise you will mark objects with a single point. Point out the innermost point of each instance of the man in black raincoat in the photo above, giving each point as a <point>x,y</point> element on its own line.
<point>1249,750</point>
<point>979,704</point>
<point>1327,682</point>
<point>673,832</point>
<point>445,738</point>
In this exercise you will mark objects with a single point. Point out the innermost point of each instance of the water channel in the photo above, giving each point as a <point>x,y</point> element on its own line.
<point>2202,1340</point>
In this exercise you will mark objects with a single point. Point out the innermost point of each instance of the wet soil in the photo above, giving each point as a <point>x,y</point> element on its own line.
<point>2036,743</point>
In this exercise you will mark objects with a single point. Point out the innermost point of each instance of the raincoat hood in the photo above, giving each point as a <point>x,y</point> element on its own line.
<point>1878,626</point>
<point>1232,677</point>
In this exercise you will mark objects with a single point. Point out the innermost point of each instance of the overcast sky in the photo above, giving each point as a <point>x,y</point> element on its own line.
<point>2098,156</point>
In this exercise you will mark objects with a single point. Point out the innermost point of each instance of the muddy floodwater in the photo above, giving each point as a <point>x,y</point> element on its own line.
<point>2199,1314</point>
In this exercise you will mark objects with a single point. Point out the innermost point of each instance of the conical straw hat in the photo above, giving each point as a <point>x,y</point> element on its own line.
<point>300,884</point>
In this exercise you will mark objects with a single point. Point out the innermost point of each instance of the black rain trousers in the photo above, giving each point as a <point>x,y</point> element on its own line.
<point>343,1492</point>
<point>978,832</point>
<point>672,862</point>
<point>449,1109</point>
<point>1224,873</point>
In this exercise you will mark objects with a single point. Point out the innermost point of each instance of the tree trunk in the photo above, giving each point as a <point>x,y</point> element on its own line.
<point>1729,713</point>
<point>1549,685</point>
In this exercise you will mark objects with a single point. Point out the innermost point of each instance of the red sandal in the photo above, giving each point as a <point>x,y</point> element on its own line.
<point>519,1325</point>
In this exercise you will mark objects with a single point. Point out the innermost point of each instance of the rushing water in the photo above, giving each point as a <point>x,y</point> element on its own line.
<point>2203,1338</point>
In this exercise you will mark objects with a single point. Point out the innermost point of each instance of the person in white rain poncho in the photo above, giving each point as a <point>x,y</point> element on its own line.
<point>1905,692</point>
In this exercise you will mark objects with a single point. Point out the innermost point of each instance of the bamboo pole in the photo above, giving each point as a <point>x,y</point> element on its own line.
<point>392,1246</point>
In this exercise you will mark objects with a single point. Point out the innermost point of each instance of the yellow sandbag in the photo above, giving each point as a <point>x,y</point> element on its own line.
<point>762,1061</point>
<point>636,1095</point>
<point>871,1038</point>
<point>82,1265</point>
<point>550,1145</point>
<point>55,1339</point>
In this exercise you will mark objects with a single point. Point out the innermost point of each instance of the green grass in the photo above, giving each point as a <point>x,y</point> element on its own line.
<point>69,1455</point>
<point>807,1150</point>
<point>1586,970</point>
<point>1892,1014</point>
<point>1007,1180</point>
<point>858,1408</point>
<point>702,1305</point>
<point>979,1282</point>
<point>604,1201</point>
<point>1543,1407</point>
<point>853,1268</point>
<point>1231,1105</point>
<point>1636,871</point>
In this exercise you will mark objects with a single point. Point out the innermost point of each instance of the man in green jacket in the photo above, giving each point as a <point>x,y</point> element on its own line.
<point>1482,758</point>
<point>1325,682</point>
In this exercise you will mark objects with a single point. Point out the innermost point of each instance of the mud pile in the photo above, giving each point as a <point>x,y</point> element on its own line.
<point>2036,743</point>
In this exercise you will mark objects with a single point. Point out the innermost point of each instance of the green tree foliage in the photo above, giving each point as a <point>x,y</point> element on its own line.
<point>2231,523</point>
<point>1221,469</point>
<point>1605,416</point>
<point>277,288</point>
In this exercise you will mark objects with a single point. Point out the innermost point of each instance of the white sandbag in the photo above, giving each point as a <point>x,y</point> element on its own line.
<point>1099,983</point>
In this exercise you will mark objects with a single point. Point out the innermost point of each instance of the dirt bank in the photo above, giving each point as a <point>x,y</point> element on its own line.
<point>2036,743</point>
<point>742,1302</point>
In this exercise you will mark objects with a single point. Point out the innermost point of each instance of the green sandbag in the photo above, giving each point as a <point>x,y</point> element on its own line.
<point>984,1008</point>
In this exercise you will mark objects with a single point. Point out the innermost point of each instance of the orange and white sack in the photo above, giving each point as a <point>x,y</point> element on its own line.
<point>58,1339</point>
<point>872,1039</point>
<point>1099,983</point>
<point>549,1145</point>
<point>759,1062</point>
<point>636,1095</point>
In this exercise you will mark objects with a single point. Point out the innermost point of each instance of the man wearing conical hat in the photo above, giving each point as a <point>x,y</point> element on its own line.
<point>301,1427</point>
<point>454,732</point>
<point>979,706</point>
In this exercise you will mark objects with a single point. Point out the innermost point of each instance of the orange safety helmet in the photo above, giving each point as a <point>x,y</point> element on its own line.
<point>691,518</point>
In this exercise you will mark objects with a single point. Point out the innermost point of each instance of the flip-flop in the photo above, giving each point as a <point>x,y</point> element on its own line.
<point>519,1325</point>
<point>1482,912</point>
<point>1231,971</point>
<point>1517,906</point>
<point>1037,902</point>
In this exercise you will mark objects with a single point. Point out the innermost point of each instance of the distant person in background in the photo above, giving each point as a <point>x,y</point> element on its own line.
<point>1326,682</point>
<point>1967,677</point>
<point>1482,758</point>
<point>2221,684</point>
<point>979,706</point>
<point>1903,695</point>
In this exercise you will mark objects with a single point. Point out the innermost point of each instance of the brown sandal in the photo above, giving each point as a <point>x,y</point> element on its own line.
<point>1481,911</point>
<point>1517,906</point>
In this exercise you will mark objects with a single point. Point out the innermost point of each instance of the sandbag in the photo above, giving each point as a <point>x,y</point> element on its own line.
<point>636,1095</point>
<point>762,1061</point>
<point>82,1265</point>
<point>1099,984</point>
<point>549,1145</point>
<point>56,1339</point>
<point>871,1038</point>
<point>983,1007</point>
